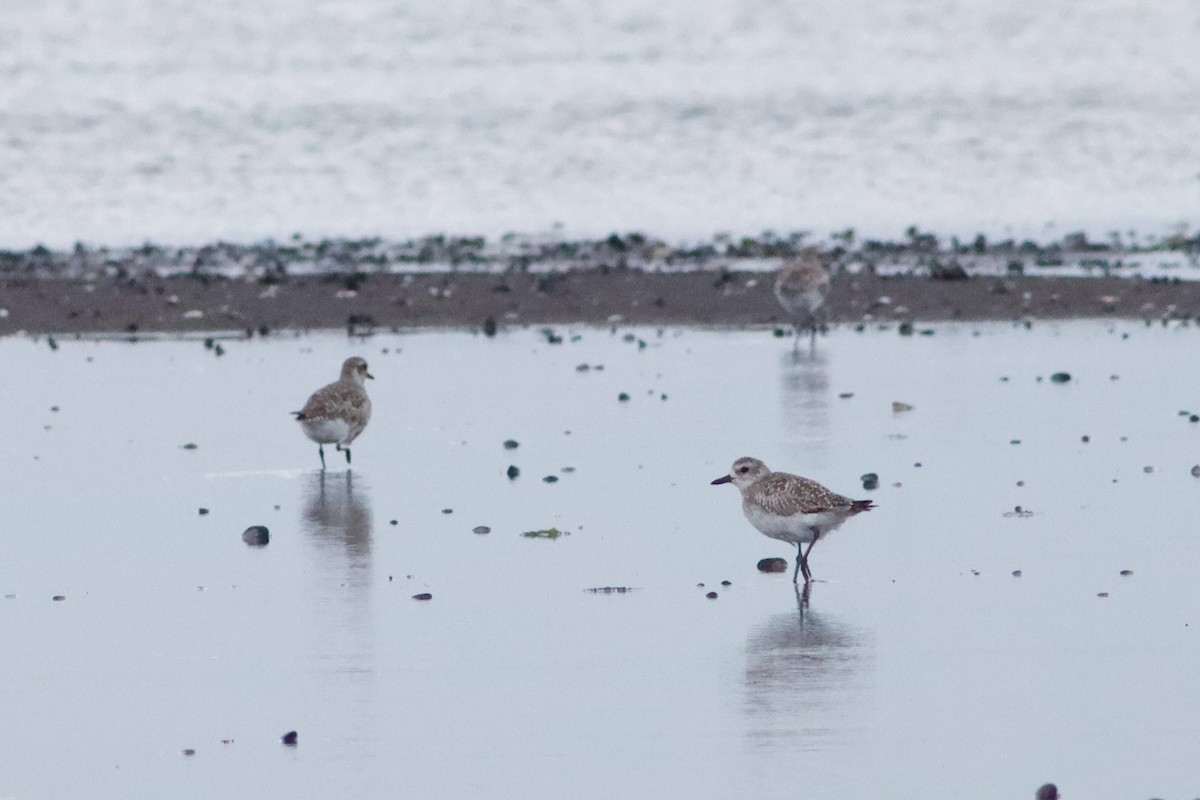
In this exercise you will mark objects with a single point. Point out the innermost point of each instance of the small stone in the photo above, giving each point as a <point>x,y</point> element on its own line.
<point>726,583</point>
<point>511,444</point>
<point>1101,594</point>
<point>290,738</point>
<point>870,481</point>
<point>1147,469</point>
<point>550,479</point>
<point>189,446</point>
<point>187,751</point>
<point>394,522</point>
<point>256,535</point>
<point>1126,572</point>
<point>58,598</point>
<point>1016,573</point>
<point>1194,418</point>
<point>846,395</point>
<point>489,327</point>
<point>1014,441</point>
<point>422,596</point>
<point>1196,471</point>
<point>1085,439</point>
<point>773,565</point>
<point>1020,483</point>
<point>623,397</point>
<point>711,595</point>
<point>1060,377</point>
<point>447,510</point>
<point>203,511</point>
<point>481,529</point>
<point>513,472</point>
<point>899,407</point>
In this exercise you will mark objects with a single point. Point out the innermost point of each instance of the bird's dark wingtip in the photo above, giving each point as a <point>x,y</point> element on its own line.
<point>861,505</point>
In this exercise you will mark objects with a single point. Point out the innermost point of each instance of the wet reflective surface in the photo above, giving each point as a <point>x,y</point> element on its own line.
<point>917,660</point>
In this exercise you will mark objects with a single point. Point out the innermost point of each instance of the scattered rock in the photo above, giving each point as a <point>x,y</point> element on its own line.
<point>1126,572</point>
<point>58,598</point>
<point>290,738</point>
<point>1016,573</point>
<point>489,327</point>
<point>773,565</point>
<point>1101,594</point>
<point>511,444</point>
<point>899,407</point>
<point>609,589</point>
<point>1196,471</point>
<point>481,529</point>
<point>422,596</point>
<point>711,595</point>
<point>726,583</point>
<point>845,395</point>
<point>187,751</point>
<point>1060,377</point>
<point>203,511</point>
<point>1085,439</point>
<point>393,522</point>
<point>447,510</point>
<point>550,479</point>
<point>513,472</point>
<point>256,535</point>
<point>189,446</point>
<point>623,397</point>
<point>870,481</point>
<point>1147,469</point>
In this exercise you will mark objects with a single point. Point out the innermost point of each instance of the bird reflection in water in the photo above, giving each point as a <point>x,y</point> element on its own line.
<point>337,517</point>
<point>803,670</point>
<point>805,381</point>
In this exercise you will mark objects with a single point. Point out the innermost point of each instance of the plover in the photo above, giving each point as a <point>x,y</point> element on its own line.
<point>801,286</point>
<point>337,413</point>
<point>790,508</point>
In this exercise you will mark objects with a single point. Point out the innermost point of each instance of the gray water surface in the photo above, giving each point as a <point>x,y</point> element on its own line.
<point>919,662</point>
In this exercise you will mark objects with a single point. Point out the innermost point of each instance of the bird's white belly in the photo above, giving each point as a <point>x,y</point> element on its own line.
<point>797,529</point>
<point>326,430</point>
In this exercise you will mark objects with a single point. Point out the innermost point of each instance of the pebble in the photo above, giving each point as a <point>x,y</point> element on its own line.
<point>711,595</point>
<point>1060,377</point>
<point>513,472</point>
<point>256,535</point>
<point>203,511</point>
<point>481,529</point>
<point>447,510</point>
<point>394,522</point>
<point>551,479</point>
<point>1016,573</point>
<point>422,596</point>
<point>898,407</point>
<point>773,565</point>
<point>726,583</point>
<point>1085,439</point>
<point>1196,471</point>
<point>188,751</point>
<point>511,444</point>
<point>58,598</point>
<point>1147,470</point>
<point>1126,572</point>
<point>869,481</point>
<point>623,397</point>
<point>1101,594</point>
<point>290,738</point>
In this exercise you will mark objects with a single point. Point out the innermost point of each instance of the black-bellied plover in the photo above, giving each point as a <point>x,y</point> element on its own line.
<point>801,286</point>
<point>337,413</point>
<point>790,508</point>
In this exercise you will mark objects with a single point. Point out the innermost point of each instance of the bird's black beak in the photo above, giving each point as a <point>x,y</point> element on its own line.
<point>369,375</point>
<point>722,479</point>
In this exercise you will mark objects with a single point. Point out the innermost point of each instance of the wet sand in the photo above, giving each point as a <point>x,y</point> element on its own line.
<point>385,302</point>
<point>367,286</point>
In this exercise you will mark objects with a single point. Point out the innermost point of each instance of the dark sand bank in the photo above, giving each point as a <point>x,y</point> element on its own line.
<point>465,282</point>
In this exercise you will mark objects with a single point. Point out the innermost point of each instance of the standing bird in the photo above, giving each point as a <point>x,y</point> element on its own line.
<point>801,286</point>
<point>790,508</point>
<point>337,413</point>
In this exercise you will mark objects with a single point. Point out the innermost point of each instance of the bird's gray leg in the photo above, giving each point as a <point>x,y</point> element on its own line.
<point>804,557</point>
<point>799,563</point>
<point>321,450</point>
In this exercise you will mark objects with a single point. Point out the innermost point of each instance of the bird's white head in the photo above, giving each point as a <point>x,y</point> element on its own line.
<point>744,472</point>
<point>355,369</point>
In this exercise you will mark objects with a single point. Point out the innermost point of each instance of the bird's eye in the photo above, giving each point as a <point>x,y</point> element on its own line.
<point>744,470</point>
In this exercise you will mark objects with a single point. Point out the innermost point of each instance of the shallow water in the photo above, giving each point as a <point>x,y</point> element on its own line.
<point>164,120</point>
<point>906,672</point>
